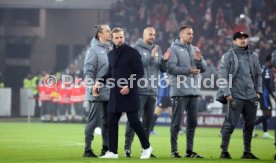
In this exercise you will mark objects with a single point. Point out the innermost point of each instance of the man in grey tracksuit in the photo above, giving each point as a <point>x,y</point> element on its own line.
<point>95,66</point>
<point>185,66</point>
<point>153,61</point>
<point>242,92</point>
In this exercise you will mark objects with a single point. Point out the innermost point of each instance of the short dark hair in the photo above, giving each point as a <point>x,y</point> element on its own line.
<point>184,27</point>
<point>117,30</point>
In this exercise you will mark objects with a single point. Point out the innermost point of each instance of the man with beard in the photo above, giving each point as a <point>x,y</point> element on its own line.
<point>185,66</point>
<point>125,68</point>
<point>244,93</point>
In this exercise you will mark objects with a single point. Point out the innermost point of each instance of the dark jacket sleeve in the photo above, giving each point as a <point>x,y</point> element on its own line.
<point>137,65</point>
<point>163,65</point>
<point>267,82</point>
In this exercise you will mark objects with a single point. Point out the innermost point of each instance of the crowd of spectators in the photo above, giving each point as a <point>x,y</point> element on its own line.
<point>214,22</point>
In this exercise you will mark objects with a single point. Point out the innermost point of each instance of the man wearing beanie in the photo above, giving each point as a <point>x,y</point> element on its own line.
<point>242,70</point>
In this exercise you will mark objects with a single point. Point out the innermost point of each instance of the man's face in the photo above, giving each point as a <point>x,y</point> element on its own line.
<point>118,38</point>
<point>241,42</point>
<point>149,36</point>
<point>186,35</point>
<point>106,33</point>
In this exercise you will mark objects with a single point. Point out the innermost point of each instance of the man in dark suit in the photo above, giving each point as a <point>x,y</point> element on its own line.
<point>125,68</point>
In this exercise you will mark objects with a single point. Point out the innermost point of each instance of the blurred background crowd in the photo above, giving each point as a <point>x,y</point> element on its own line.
<point>213,21</point>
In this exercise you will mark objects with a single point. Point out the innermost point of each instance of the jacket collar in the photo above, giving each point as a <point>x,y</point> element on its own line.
<point>179,43</point>
<point>96,42</point>
<point>119,49</point>
<point>240,50</point>
<point>140,42</point>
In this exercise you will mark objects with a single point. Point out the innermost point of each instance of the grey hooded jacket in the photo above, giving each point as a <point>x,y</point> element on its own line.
<point>179,64</point>
<point>152,65</point>
<point>96,66</point>
<point>245,71</point>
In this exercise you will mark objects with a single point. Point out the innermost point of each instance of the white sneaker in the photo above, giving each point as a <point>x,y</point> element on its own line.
<point>145,154</point>
<point>98,131</point>
<point>110,155</point>
<point>266,135</point>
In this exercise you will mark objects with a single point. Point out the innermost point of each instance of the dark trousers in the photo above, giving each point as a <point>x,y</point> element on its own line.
<point>266,107</point>
<point>263,120</point>
<point>97,116</point>
<point>134,123</point>
<point>248,109</point>
<point>147,106</point>
<point>181,104</point>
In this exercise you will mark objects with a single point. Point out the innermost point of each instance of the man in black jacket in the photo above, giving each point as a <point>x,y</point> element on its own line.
<point>125,68</point>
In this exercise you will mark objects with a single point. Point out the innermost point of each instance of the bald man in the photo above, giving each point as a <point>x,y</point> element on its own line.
<point>154,62</point>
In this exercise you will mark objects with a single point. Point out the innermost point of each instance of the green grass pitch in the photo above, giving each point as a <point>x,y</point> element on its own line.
<point>42,142</point>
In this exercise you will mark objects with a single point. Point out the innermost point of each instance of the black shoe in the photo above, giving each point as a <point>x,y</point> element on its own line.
<point>248,155</point>
<point>104,150</point>
<point>128,153</point>
<point>225,155</point>
<point>175,154</point>
<point>89,154</point>
<point>153,156</point>
<point>192,155</point>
